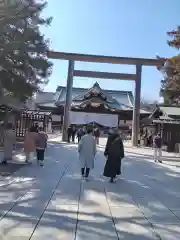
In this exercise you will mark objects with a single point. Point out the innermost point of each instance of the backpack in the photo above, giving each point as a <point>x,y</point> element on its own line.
<point>41,140</point>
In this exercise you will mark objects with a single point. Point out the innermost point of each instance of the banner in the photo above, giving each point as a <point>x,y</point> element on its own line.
<point>107,120</point>
<point>56,118</point>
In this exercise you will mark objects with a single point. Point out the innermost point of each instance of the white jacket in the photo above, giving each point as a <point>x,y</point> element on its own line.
<point>87,151</point>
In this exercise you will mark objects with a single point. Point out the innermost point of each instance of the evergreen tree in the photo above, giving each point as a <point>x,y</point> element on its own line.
<point>24,66</point>
<point>170,87</point>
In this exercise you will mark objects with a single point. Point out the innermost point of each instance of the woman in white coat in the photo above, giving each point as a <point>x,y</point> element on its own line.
<point>87,152</point>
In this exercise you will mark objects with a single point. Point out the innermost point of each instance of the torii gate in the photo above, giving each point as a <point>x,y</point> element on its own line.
<point>138,62</point>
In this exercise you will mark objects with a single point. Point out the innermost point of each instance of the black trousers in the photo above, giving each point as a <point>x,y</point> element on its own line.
<point>73,137</point>
<point>86,172</point>
<point>119,169</point>
<point>69,138</point>
<point>40,154</point>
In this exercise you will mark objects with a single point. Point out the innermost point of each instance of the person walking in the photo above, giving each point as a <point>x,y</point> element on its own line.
<point>84,130</point>
<point>73,133</point>
<point>157,141</point>
<point>9,143</point>
<point>36,127</point>
<point>87,152</point>
<point>41,145</point>
<point>30,144</point>
<point>79,134</point>
<point>114,152</point>
<point>69,133</point>
<point>97,135</point>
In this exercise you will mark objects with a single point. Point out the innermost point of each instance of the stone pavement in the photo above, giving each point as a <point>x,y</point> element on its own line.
<point>54,203</point>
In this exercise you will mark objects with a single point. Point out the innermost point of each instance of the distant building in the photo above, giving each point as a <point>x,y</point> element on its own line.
<point>165,119</point>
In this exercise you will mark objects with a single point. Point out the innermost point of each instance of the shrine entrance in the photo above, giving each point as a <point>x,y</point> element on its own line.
<point>102,119</point>
<point>30,118</point>
<point>137,62</point>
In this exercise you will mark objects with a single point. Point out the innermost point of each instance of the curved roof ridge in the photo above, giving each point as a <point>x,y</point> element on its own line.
<point>125,98</point>
<point>57,95</point>
<point>96,85</point>
<point>130,100</point>
<point>106,90</point>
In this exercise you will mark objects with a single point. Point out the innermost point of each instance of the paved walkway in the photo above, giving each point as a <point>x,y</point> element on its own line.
<point>54,203</point>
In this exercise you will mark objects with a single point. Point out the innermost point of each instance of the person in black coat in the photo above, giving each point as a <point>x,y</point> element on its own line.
<point>97,135</point>
<point>79,134</point>
<point>114,151</point>
<point>69,133</point>
<point>73,133</point>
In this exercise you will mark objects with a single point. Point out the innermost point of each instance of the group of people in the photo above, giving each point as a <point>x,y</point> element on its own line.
<point>35,142</point>
<point>114,153</point>
<point>80,132</point>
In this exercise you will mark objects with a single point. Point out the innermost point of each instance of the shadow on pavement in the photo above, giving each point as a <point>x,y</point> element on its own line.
<point>53,199</point>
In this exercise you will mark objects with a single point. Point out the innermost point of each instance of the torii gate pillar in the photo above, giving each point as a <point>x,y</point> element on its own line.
<point>67,106</point>
<point>137,103</point>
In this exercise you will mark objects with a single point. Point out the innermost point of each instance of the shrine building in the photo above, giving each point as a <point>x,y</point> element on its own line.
<point>107,108</point>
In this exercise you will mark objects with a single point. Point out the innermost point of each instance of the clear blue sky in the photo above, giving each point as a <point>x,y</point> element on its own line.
<point>132,28</point>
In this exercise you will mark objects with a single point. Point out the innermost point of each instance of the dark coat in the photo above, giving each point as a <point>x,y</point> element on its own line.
<point>97,132</point>
<point>69,131</point>
<point>80,133</point>
<point>114,152</point>
<point>157,142</point>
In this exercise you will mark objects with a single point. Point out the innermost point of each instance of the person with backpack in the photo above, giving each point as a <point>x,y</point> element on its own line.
<point>41,145</point>
<point>157,142</point>
<point>114,152</point>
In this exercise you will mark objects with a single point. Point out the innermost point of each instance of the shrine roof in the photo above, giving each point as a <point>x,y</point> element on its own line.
<point>48,104</point>
<point>45,97</point>
<point>166,111</point>
<point>163,114</point>
<point>115,97</point>
<point>170,110</point>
